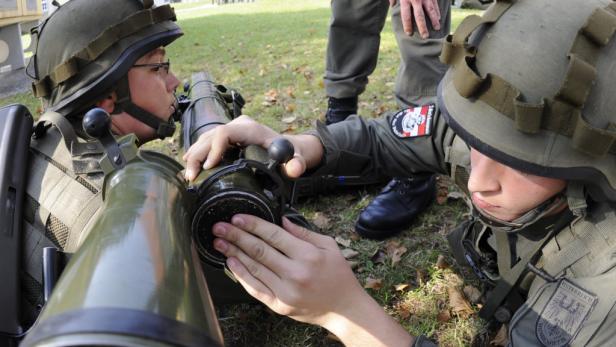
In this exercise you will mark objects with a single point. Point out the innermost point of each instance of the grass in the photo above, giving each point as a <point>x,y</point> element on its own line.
<point>276,49</point>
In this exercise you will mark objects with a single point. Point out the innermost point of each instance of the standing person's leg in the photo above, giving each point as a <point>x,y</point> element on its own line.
<point>420,69</point>
<point>352,52</point>
<point>395,208</point>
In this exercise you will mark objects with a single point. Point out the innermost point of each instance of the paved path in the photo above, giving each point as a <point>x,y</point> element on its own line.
<point>14,82</point>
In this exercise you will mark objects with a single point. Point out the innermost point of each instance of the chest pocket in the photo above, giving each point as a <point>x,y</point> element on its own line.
<point>574,312</point>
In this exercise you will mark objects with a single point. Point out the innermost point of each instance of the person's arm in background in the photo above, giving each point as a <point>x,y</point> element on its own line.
<point>418,9</point>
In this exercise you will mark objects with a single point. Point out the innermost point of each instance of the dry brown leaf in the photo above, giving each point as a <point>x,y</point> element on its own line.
<point>403,311</point>
<point>444,316</point>
<point>472,294</point>
<point>454,195</point>
<point>308,75</point>
<point>289,119</point>
<point>355,237</point>
<point>501,338</point>
<point>441,195</point>
<point>441,262</point>
<point>401,287</point>
<point>373,283</point>
<point>378,257</point>
<point>271,96</point>
<point>349,253</point>
<point>290,108</point>
<point>290,92</point>
<point>290,129</point>
<point>420,277</point>
<point>397,255</point>
<point>321,220</point>
<point>342,241</point>
<point>458,303</point>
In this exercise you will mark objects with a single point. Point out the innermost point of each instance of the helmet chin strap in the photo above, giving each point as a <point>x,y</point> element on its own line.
<point>124,104</point>
<point>546,208</point>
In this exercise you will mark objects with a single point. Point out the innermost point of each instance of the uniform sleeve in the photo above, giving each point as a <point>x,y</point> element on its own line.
<point>380,147</point>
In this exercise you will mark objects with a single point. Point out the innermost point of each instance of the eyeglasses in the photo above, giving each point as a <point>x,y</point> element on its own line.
<point>157,67</point>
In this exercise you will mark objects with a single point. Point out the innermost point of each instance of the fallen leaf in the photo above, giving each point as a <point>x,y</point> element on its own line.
<point>403,311</point>
<point>290,108</point>
<point>355,237</point>
<point>459,305</point>
<point>271,96</point>
<point>501,338</point>
<point>373,283</point>
<point>394,251</point>
<point>342,241</point>
<point>444,316</point>
<point>441,262</point>
<point>261,73</point>
<point>290,92</point>
<point>349,253</point>
<point>289,129</point>
<point>401,287</point>
<point>378,257</point>
<point>455,195</point>
<point>308,75</point>
<point>472,294</point>
<point>397,255</point>
<point>420,277</point>
<point>441,194</point>
<point>320,220</point>
<point>289,119</point>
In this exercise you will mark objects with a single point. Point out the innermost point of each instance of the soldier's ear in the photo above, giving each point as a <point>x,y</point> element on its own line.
<point>108,103</point>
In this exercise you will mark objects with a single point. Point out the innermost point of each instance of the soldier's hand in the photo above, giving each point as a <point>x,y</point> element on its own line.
<point>293,271</point>
<point>410,9</point>
<point>208,150</point>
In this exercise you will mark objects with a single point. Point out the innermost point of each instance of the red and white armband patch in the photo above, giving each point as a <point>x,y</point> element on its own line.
<point>413,122</point>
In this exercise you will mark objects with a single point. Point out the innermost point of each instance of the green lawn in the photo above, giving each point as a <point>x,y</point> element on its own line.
<point>276,48</point>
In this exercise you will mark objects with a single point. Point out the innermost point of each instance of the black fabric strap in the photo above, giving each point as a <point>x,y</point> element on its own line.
<point>509,279</point>
<point>124,104</point>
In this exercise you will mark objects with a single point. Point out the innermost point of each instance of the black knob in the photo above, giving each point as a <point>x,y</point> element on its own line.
<point>96,123</point>
<point>281,150</point>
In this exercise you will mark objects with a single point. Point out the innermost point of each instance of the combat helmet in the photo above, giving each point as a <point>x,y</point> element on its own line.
<point>531,85</point>
<point>85,49</point>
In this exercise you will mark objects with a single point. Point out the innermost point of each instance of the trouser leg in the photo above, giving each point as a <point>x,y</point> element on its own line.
<point>420,69</point>
<point>353,45</point>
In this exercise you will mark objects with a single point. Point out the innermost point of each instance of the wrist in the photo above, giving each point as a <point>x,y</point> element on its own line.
<point>364,323</point>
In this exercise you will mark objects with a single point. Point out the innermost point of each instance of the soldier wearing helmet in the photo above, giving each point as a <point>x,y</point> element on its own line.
<point>107,54</point>
<point>524,124</point>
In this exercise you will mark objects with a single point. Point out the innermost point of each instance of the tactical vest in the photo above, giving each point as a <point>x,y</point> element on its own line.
<point>580,250</point>
<point>64,193</point>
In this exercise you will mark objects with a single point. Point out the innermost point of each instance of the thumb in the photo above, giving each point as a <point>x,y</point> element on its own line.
<point>295,167</point>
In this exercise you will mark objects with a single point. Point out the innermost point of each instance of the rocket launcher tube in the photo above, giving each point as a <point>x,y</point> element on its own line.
<point>137,279</point>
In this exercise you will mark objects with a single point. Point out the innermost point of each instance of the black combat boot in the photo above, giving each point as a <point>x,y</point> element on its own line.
<point>339,109</point>
<point>395,208</point>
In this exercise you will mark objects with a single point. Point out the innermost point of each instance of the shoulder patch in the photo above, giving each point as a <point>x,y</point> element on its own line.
<point>564,314</point>
<point>413,122</point>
